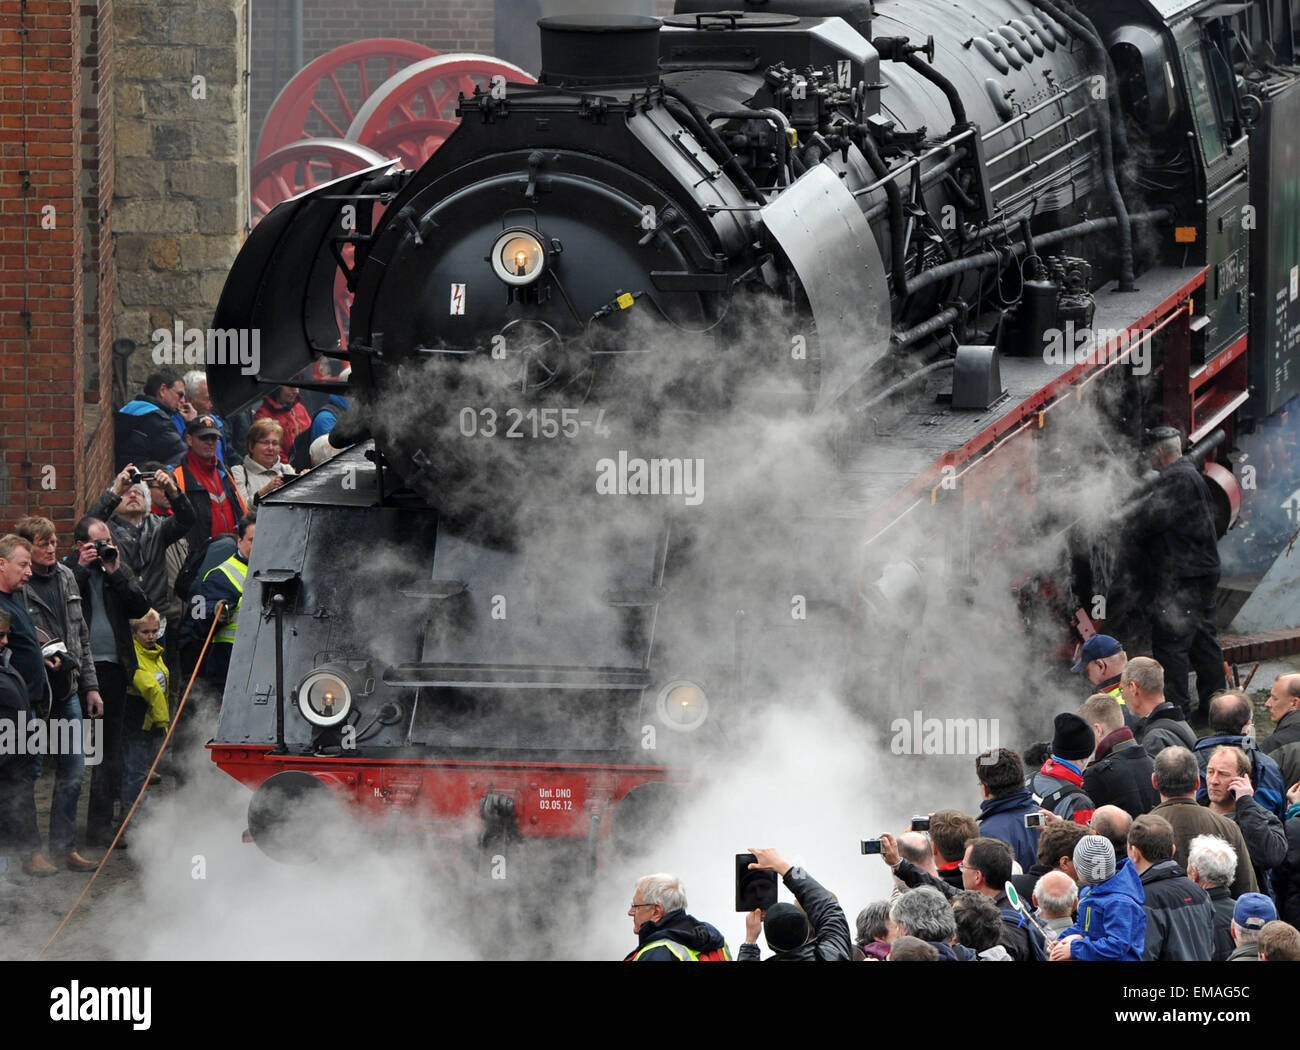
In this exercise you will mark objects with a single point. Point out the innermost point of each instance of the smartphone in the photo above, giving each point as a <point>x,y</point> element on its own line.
<point>920,823</point>
<point>754,889</point>
<point>1035,820</point>
<point>870,846</point>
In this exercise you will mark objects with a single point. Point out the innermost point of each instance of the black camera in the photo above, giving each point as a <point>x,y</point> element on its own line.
<point>135,477</point>
<point>920,823</point>
<point>105,550</point>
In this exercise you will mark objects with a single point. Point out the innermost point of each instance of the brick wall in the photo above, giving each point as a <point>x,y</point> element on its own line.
<point>42,464</point>
<point>99,275</point>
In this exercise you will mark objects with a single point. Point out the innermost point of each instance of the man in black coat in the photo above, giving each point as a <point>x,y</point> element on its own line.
<point>1283,744</point>
<point>1120,772</point>
<point>110,597</point>
<point>144,429</point>
<point>818,933</point>
<point>1180,915</point>
<point>1175,532</point>
<point>17,801</point>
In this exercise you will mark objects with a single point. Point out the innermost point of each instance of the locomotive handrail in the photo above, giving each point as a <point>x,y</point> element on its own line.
<point>909,165</point>
<point>1026,114</point>
<point>1037,135</point>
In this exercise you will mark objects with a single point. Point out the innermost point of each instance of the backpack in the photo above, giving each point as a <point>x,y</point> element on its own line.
<point>300,451</point>
<point>200,560</point>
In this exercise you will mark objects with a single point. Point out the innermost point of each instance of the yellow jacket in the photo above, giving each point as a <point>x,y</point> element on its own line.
<point>150,682</point>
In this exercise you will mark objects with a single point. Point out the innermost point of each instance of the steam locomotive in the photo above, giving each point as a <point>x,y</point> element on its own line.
<point>657,361</point>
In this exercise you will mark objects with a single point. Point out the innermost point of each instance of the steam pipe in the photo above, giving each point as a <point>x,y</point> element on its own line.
<point>897,229</point>
<point>913,61</point>
<point>972,262</point>
<point>907,336</point>
<point>724,155</point>
<point>277,610</point>
<point>1098,53</point>
<point>929,176</point>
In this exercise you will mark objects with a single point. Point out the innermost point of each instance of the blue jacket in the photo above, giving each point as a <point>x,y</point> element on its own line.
<point>144,431</point>
<point>1004,818</point>
<point>1265,774</point>
<point>1111,922</point>
<point>325,419</point>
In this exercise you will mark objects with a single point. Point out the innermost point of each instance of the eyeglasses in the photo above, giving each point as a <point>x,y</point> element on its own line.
<point>635,905</point>
<point>266,441</point>
<point>207,437</point>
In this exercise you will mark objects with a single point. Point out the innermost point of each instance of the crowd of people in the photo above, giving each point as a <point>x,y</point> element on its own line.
<point>1120,844</point>
<point>148,591</point>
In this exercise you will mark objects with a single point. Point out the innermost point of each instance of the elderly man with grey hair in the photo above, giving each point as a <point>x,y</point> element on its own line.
<point>926,914</point>
<point>1211,864</point>
<point>665,933</point>
<point>1054,896</point>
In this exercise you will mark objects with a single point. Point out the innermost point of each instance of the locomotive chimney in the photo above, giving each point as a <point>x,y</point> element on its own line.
<point>582,51</point>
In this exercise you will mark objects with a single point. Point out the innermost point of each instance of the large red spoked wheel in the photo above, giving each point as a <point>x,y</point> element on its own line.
<point>323,97</point>
<point>301,166</point>
<point>414,111</point>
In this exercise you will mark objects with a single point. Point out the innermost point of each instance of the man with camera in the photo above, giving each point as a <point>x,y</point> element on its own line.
<point>110,598</point>
<point>815,931</point>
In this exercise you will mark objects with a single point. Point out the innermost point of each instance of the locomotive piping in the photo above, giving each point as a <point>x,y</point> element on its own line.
<point>970,262</point>
<point>724,155</point>
<point>1123,227</point>
<point>897,230</point>
<point>913,61</point>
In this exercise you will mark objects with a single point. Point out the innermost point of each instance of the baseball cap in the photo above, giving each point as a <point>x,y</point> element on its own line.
<point>1098,647</point>
<point>1253,910</point>
<point>202,426</point>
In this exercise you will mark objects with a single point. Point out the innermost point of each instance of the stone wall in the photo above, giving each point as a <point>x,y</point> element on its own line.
<point>181,190</point>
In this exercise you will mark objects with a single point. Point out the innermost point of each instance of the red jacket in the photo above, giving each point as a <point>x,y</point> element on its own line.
<point>294,419</point>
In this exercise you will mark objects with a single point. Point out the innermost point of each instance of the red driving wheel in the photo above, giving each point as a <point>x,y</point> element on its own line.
<point>323,97</point>
<point>414,110</point>
<point>301,166</point>
<point>413,141</point>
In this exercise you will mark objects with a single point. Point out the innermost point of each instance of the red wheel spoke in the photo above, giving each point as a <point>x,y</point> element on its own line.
<point>317,100</point>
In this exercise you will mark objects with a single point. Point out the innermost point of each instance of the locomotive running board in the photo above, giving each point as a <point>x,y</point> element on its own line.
<point>821,229</point>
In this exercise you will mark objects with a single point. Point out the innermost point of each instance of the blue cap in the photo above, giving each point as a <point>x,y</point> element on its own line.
<point>1098,647</point>
<point>1253,910</point>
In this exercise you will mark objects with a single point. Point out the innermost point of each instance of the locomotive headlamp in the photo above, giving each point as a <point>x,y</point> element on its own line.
<point>518,257</point>
<point>325,697</point>
<point>683,705</point>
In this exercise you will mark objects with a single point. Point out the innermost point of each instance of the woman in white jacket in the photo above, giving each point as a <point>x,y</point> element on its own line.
<point>261,472</point>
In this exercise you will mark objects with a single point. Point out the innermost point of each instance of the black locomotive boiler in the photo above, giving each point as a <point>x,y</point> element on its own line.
<point>653,357</point>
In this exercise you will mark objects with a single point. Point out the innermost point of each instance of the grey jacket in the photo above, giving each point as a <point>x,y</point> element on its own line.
<point>1165,727</point>
<point>78,634</point>
<point>144,549</point>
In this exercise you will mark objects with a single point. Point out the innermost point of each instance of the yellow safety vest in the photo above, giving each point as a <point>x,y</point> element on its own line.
<point>235,571</point>
<point>684,954</point>
<point>1118,694</point>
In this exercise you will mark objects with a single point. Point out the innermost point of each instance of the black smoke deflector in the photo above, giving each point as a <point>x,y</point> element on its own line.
<point>281,287</point>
